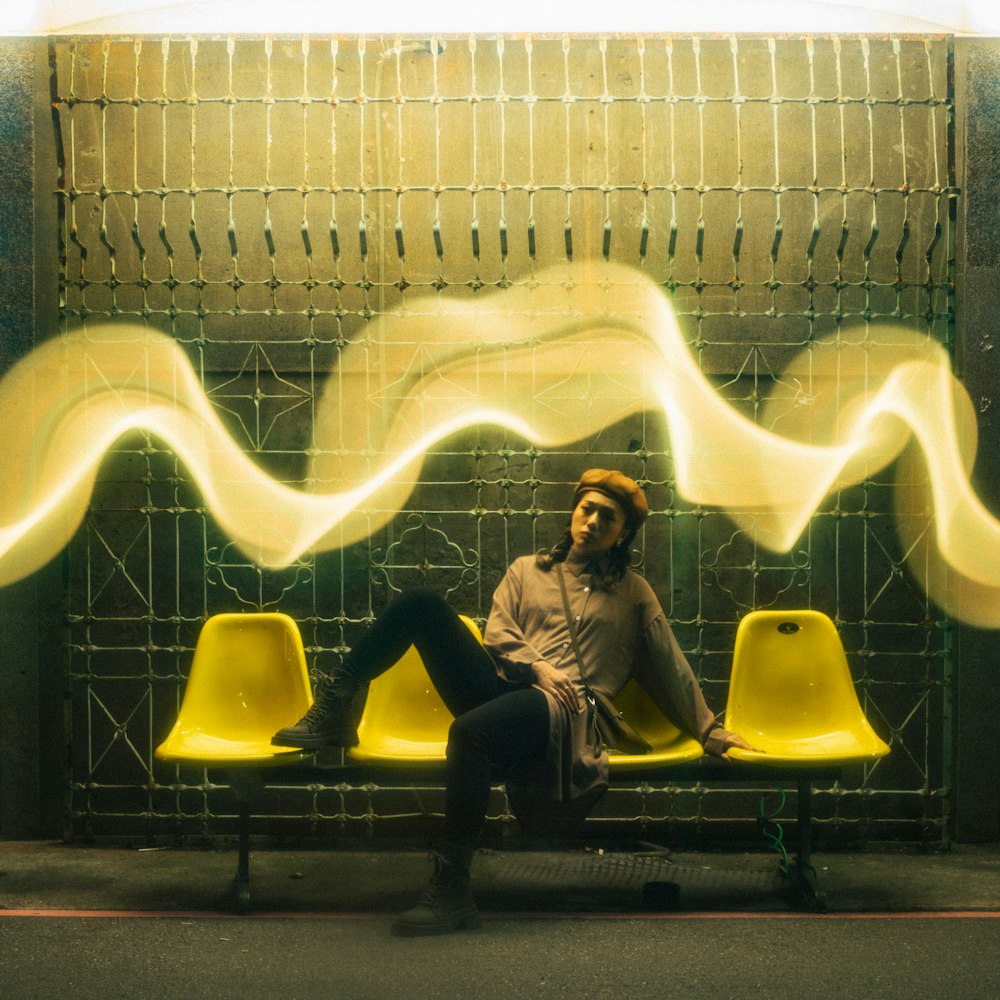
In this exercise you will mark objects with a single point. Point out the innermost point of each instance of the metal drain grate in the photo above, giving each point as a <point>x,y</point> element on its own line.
<point>630,871</point>
<point>592,870</point>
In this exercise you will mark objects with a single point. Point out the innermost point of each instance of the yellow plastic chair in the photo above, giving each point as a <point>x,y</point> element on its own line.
<point>669,744</point>
<point>791,695</point>
<point>248,679</point>
<point>404,720</point>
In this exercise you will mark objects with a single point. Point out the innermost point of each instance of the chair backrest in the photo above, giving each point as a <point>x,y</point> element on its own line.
<point>668,744</point>
<point>404,717</point>
<point>791,688</point>
<point>638,709</point>
<point>247,680</point>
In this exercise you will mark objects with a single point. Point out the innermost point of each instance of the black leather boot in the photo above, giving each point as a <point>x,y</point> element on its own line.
<point>330,722</point>
<point>447,903</point>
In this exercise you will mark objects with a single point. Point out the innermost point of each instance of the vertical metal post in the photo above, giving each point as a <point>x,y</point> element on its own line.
<point>802,875</point>
<point>244,784</point>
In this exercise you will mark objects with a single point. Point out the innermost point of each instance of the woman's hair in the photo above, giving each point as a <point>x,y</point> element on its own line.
<point>619,557</point>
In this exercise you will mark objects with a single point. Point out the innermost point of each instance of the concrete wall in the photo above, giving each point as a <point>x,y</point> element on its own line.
<point>977,99</point>
<point>33,750</point>
<point>658,186</point>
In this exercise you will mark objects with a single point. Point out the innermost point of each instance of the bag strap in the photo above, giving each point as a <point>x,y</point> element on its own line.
<point>572,631</point>
<point>600,708</point>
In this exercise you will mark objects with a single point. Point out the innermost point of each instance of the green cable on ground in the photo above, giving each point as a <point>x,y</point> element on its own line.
<point>772,830</point>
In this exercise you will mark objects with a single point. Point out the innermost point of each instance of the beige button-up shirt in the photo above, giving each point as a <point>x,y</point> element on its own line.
<point>622,633</point>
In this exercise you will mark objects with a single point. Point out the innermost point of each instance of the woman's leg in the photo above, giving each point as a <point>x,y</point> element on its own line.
<point>498,728</point>
<point>458,665</point>
<point>506,737</point>
<point>456,662</point>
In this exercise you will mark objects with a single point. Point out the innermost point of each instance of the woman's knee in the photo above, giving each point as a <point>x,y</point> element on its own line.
<point>465,736</point>
<point>421,603</point>
<point>508,728</point>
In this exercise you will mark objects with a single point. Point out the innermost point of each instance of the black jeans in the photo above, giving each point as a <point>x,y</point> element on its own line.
<point>501,729</point>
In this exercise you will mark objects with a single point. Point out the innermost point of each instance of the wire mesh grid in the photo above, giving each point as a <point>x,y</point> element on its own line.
<point>262,200</point>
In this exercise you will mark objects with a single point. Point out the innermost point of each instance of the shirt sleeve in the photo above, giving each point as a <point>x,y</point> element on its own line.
<point>664,672</point>
<point>504,637</point>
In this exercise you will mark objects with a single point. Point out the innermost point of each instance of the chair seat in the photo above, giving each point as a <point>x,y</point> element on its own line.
<point>398,750</point>
<point>684,750</point>
<point>198,747</point>
<point>402,751</point>
<point>830,752</point>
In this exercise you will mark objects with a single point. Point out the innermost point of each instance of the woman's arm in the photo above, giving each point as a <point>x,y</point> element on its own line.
<point>665,674</point>
<point>504,637</point>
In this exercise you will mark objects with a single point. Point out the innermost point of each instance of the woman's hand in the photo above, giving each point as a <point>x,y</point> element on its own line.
<point>720,741</point>
<point>558,684</point>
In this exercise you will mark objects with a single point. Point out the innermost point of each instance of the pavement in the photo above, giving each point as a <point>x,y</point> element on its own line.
<point>53,876</point>
<point>107,922</point>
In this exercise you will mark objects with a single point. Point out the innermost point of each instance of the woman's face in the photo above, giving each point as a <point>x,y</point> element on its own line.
<point>598,523</point>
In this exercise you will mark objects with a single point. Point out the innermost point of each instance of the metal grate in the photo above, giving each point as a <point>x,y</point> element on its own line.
<point>262,199</point>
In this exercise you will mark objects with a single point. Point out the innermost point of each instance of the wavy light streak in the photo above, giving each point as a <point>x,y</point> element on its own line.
<point>554,361</point>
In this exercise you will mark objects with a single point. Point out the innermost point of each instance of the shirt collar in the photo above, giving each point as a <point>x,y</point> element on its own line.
<point>595,567</point>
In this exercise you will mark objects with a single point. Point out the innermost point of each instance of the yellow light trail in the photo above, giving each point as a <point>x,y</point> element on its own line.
<point>554,360</point>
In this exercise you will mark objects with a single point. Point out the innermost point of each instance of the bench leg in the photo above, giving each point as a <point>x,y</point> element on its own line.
<point>243,861</point>
<point>802,881</point>
<point>244,784</point>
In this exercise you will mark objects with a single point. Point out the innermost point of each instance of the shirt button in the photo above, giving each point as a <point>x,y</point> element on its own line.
<point>565,645</point>
<point>586,590</point>
<point>577,617</point>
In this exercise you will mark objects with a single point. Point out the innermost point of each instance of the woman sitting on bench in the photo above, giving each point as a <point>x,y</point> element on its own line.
<point>523,700</point>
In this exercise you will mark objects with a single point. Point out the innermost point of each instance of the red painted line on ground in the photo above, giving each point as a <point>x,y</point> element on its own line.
<point>753,915</point>
<point>706,915</point>
<point>188,915</point>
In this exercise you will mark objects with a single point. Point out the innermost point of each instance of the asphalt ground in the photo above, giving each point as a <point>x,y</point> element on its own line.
<point>104,922</point>
<point>510,956</point>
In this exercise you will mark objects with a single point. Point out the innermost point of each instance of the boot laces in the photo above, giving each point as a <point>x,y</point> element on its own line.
<point>445,884</point>
<point>323,701</point>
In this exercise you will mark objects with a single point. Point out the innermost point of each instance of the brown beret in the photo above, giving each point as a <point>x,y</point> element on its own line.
<point>619,488</point>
